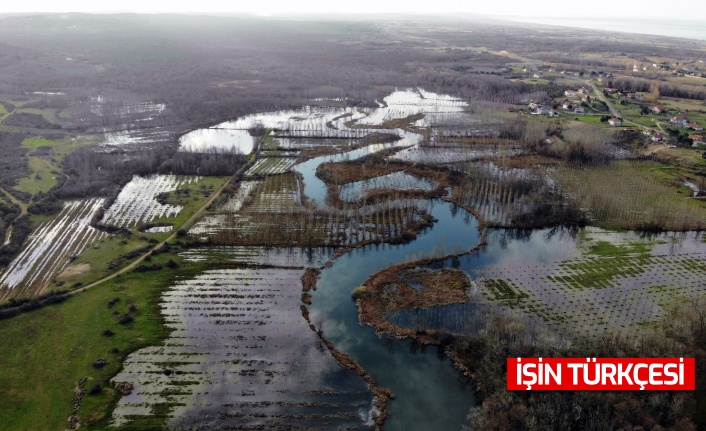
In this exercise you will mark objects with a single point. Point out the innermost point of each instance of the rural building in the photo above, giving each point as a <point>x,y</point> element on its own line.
<point>571,93</point>
<point>659,109</point>
<point>553,113</point>
<point>567,105</point>
<point>584,90</point>
<point>657,137</point>
<point>542,110</point>
<point>579,110</point>
<point>694,126</point>
<point>680,121</point>
<point>615,121</point>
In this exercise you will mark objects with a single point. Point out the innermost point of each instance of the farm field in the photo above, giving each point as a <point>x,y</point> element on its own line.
<point>577,285</point>
<point>50,249</point>
<point>271,166</point>
<point>137,202</point>
<point>352,192</point>
<point>638,198</point>
<point>252,316</point>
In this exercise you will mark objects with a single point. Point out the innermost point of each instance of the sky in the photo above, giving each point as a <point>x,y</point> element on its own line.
<point>643,9</point>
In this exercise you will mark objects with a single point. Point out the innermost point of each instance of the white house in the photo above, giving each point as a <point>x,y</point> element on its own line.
<point>571,93</point>
<point>615,121</point>
<point>681,121</point>
<point>579,110</point>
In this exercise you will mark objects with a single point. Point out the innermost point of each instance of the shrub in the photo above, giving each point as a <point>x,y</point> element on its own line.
<point>108,333</point>
<point>95,389</point>
<point>99,363</point>
<point>125,319</point>
<point>359,292</point>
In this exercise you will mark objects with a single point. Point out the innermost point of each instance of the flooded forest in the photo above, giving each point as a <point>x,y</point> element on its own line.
<point>233,223</point>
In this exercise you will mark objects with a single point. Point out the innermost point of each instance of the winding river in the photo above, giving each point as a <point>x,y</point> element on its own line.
<point>432,395</point>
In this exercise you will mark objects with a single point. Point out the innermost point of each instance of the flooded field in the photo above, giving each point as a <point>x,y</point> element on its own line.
<point>357,190</point>
<point>241,356</point>
<point>51,247</point>
<point>584,282</point>
<point>137,201</point>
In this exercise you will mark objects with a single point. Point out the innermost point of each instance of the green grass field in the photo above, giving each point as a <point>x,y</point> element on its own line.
<point>62,147</point>
<point>95,262</point>
<point>40,179</point>
<point>594,119</point>
<point>3,112</point>
<point>49,114</point>
<point>48,350</point>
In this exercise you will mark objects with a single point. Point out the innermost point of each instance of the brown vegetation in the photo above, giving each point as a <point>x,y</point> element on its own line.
<point>389,290</point>
<point>309,279</point>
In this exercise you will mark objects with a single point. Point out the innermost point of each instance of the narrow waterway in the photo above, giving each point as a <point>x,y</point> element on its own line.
<point>315,189</point>
<point>432,395</point>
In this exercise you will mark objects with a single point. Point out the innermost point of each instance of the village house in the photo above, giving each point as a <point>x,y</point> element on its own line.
<point>659,109</point>
<point>567,105</point>
<point>579,110</point>
<point>553,113</point>
<point>542,110</point>
<point>694,126</point>
<point>587,99</point>
<point>648,132</point>
<point>657,137</point>
<point>584,90</point>
<point>679,121</point>
<point>615,121</point>
<point>571,93</point>
<point>698,139</point>
<point>635,96</point>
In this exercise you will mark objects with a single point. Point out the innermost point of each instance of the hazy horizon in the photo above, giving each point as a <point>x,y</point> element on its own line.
<point>690,27</point>
<point>629,9</point>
